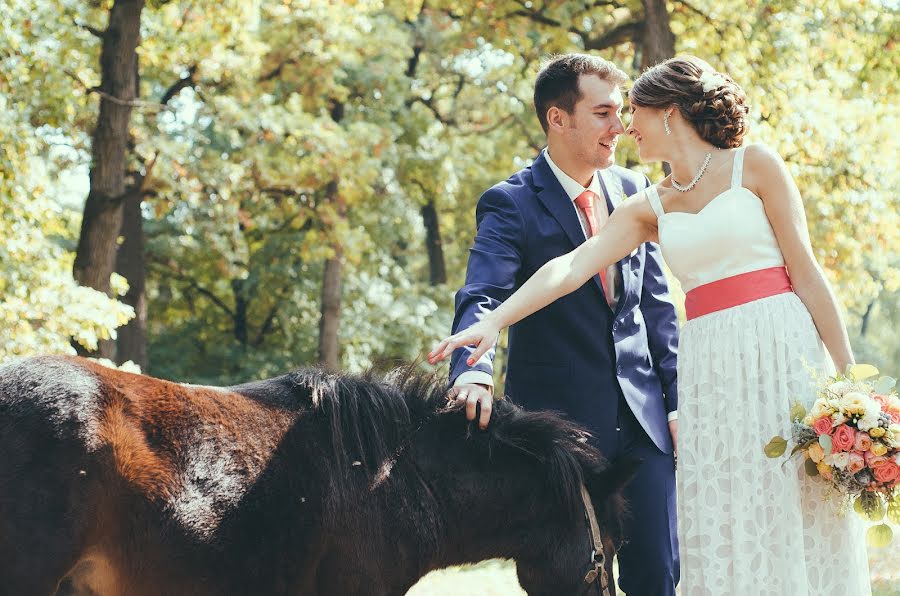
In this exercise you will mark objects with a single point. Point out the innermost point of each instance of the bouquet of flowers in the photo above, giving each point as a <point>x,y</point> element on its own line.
<point>851,439</point>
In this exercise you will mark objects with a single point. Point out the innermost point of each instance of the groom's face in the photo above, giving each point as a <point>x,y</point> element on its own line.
<point>596,122</point>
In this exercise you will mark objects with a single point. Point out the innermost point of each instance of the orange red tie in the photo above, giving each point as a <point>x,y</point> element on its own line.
<point>585,202</point>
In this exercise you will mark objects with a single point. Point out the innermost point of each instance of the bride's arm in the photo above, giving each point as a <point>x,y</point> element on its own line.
<point>784,207</point>
<point>629,226</point>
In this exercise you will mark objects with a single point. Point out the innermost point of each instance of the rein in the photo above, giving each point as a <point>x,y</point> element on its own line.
<point>598,556</point>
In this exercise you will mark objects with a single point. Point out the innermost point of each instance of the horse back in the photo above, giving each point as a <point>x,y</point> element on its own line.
<point>193,450</point>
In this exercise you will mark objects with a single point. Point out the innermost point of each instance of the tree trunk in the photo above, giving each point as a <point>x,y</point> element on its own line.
<point>241,331</point>
<point>95,256</point>
<point>657,39</point>
<point>330,318</point>
<point>329,353</point>
<point>131,343</point>
<point>436,266</point>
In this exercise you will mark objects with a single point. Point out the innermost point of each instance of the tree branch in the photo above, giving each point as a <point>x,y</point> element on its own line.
<point>629,31</point>
<point>92,30</point>
<point>182,83</point>
<point>192,284</point>
<point>134,103</point>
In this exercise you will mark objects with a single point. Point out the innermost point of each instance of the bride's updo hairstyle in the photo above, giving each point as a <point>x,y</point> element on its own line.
<point>711,101</point>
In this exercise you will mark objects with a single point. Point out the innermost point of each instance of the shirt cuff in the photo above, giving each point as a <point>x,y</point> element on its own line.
<point>474,377</point>
<point>673,415</point>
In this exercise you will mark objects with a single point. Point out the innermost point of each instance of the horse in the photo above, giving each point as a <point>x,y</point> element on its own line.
<point>312,483</point>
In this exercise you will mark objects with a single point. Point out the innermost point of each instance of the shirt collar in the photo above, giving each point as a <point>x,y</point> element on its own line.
<point>573,188</point>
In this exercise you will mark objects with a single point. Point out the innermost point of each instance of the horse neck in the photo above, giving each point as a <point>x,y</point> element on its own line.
<point>494,513</point>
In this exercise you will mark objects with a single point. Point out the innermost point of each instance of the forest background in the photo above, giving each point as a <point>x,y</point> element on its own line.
<point>220,191</point>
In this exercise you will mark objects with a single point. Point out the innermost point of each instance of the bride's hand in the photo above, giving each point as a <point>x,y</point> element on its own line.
<point>482,335</point>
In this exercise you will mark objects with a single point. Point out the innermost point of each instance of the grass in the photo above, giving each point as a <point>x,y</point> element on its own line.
<point>498,578</point>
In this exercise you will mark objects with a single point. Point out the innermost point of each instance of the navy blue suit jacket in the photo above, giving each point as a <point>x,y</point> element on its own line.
<point>575,355</point>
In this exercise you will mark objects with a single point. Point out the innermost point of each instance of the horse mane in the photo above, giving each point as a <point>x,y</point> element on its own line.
<point>371,418</point>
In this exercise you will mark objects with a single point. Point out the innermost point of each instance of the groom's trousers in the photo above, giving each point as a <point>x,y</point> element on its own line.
<point>648,561</point>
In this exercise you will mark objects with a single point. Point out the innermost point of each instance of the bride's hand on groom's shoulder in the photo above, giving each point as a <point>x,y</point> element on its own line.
<point>482,335</point>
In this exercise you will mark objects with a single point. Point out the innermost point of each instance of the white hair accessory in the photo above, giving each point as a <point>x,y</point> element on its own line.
<point>712,80</point>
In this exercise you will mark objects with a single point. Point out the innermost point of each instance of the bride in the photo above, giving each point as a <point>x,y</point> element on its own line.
<point>731,226</point>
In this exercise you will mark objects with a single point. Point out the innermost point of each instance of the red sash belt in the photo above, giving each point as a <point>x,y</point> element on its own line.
<point>736,290</point>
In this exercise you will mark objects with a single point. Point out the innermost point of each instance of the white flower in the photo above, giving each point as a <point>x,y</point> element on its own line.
<point>867,422</point>
<point>840,387</point>
<point>840,460</point>
<point>712,80</point>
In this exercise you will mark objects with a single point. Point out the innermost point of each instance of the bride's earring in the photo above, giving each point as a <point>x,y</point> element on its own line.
<point>666,123</point>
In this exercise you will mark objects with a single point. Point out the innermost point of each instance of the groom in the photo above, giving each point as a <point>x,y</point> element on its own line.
<point>605,354</point>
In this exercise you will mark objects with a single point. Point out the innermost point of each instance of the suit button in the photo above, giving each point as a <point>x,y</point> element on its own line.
<point>619,369</point>
<point>615,326</point>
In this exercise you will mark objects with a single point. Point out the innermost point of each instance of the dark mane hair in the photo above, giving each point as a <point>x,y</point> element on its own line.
<point>372,419</point>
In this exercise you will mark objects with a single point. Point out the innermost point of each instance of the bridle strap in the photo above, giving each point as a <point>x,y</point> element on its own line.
<point>598,557</point>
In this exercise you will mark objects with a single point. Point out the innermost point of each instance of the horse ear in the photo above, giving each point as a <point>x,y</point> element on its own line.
<point>613,478</point>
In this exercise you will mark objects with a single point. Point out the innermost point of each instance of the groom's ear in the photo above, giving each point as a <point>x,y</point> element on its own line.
<point>556,118</point>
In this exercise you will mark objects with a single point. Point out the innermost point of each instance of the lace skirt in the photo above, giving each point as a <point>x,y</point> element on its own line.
<point>747,524</point>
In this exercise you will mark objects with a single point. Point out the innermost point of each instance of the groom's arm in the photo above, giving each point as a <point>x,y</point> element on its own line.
<point>492,275</point>
<point>662,326</point>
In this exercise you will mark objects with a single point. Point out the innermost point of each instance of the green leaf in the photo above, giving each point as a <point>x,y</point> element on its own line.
<point>862,371</point>
<point>776,447</point>
<point>879,536</point>
<point>884,384</point>
<point>893,510</point>
<point>825,442</point>
<point>798,412</point>
<point>811,468</point>
<point>870,507</point>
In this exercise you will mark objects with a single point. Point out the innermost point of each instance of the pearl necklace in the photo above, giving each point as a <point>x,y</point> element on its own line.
<point>696,179</point>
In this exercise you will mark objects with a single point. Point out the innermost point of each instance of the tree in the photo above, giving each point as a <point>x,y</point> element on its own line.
<point>95,255</point>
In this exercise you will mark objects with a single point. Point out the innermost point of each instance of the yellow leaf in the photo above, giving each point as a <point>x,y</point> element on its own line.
<point>776,447</point>
<point>862,371</point>
<point>879,536</point>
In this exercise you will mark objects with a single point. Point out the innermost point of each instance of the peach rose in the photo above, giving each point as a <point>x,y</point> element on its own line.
<point>843,438</point>
<point>881,399</point>
<point>889,472</point>
<point>874,461</point>
<point>863,442</point>
<point>857,462</point>
<point>822,426</point>
<point>815,452</point>
<point>878,449</point>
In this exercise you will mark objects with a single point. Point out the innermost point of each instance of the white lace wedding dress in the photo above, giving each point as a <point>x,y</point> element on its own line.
<point>746,524</point>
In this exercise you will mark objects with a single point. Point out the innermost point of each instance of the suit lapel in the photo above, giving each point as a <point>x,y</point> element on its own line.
<point>554,198</point>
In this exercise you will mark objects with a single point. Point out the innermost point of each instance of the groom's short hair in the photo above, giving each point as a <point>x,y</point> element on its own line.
<point>557,81</point>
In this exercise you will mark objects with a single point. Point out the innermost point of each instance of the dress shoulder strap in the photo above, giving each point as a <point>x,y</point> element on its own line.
<point>737,172</point>
<point>655,203</point>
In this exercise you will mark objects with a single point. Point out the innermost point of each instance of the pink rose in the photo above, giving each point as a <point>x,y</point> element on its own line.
<point>888,472</point>
<point>874,461</point>
<point>881,399</point>
<point>863,442</point>
<point>822,425</point>
<point>843,438</point>
<point>895,416</point>
<point>857,462</point>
